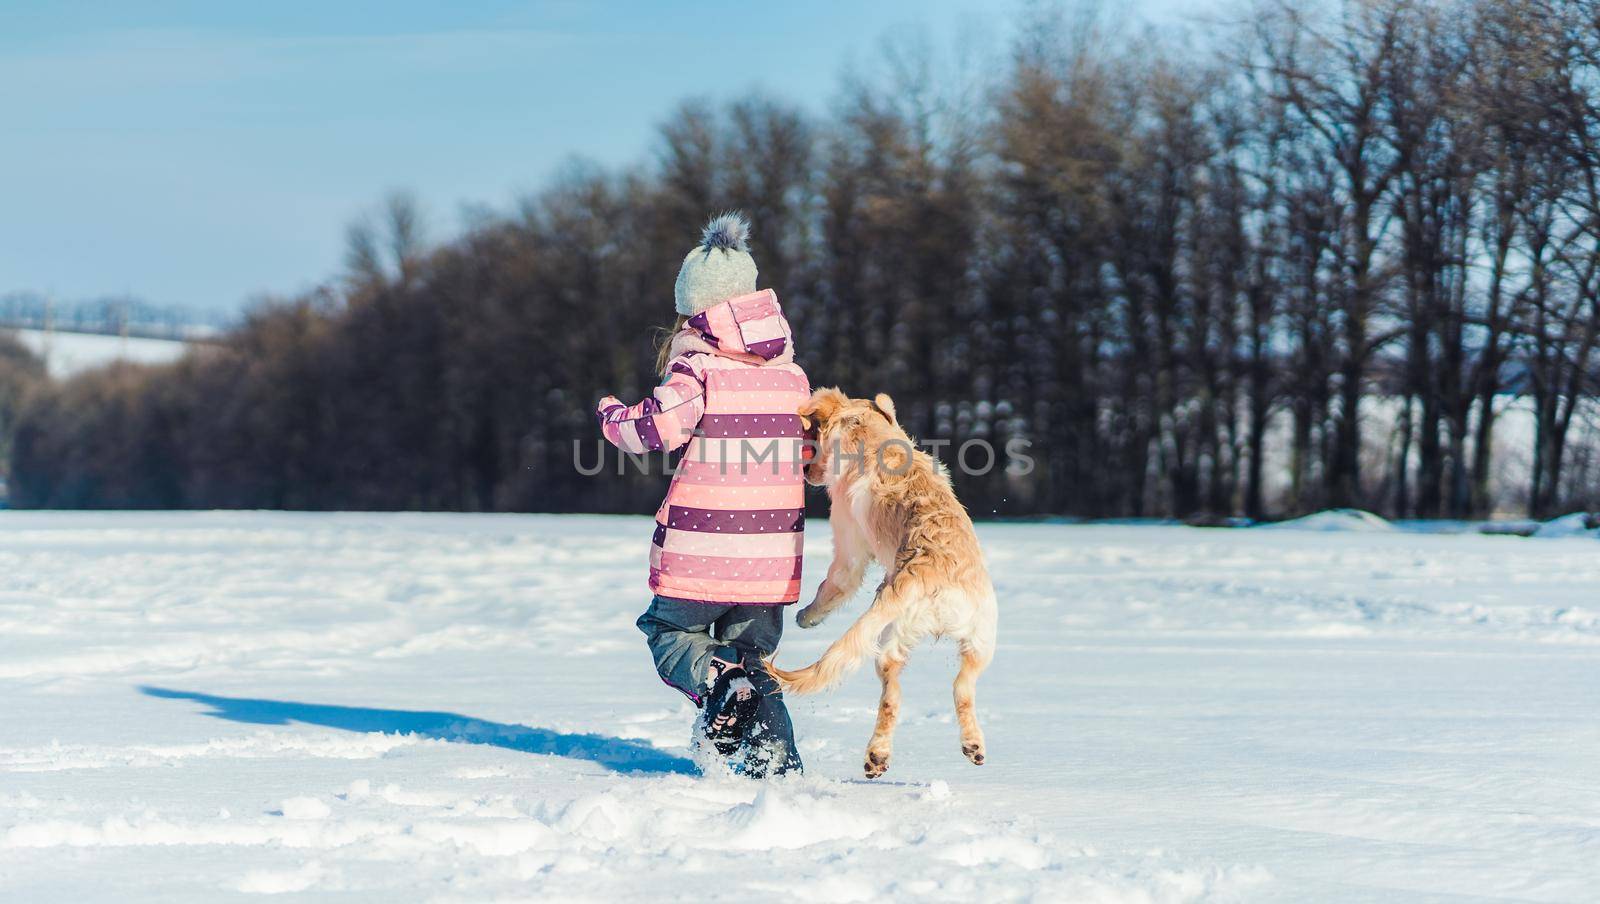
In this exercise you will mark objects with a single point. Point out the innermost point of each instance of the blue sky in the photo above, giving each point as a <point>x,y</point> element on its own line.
<point>204,153</point>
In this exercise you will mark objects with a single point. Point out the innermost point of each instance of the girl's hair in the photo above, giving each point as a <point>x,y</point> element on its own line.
<point>664,344</point>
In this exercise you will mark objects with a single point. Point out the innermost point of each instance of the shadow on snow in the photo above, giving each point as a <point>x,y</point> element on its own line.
<point>616,754</point>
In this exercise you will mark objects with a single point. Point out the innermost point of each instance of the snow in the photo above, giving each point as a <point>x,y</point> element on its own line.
<point>218,706</point>
<point>68,354</point>
<point>1336,521</point>
<point>1577,524</point>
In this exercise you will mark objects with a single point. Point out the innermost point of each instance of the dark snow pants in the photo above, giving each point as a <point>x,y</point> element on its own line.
<point>684,635</point>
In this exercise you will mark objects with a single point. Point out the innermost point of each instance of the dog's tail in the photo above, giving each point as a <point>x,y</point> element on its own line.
<point>861,640</point>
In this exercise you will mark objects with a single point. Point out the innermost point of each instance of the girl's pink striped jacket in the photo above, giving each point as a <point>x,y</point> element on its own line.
<point>731,526</point>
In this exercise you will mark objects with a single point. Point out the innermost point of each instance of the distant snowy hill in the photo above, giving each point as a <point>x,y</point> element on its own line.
<point>1343,520</point>
<point>67,354</point>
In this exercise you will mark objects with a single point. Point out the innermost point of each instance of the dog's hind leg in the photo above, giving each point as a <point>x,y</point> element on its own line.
<point>974,660</point>
<point>882,743</point>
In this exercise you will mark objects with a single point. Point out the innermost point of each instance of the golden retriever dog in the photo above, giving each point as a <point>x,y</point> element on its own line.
<point>894,504</point>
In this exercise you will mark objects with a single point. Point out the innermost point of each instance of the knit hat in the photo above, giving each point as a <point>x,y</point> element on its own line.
<point>719,268</point>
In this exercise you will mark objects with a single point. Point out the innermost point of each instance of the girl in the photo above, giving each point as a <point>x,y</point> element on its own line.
<point>725,558</point>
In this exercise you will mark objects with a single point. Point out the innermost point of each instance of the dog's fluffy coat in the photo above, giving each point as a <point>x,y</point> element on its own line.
<point>894,503</point>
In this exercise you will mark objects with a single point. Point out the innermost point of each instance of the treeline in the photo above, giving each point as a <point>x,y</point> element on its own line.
<point>21,374</point>
<point>1301,264</point>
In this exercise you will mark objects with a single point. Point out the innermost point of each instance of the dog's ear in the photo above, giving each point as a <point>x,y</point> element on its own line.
<point>885,406</point>
<point>823,405</point>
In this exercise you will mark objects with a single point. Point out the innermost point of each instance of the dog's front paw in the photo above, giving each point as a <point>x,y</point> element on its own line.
<point>809,617</point>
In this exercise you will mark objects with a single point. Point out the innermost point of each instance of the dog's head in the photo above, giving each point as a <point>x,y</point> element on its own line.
<point>842,427</point>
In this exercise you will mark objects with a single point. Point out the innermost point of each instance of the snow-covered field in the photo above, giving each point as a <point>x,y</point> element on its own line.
<point>67,354</point>
<point>208,707</point>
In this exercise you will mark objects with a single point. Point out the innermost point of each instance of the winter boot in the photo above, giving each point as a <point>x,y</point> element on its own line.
<point>769,748</point>
<point>730,705</point>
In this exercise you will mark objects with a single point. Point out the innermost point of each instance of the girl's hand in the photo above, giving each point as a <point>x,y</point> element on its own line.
<point>609,401</point>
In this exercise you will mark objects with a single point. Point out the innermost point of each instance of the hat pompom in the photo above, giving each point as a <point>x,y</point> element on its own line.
<point>729,232</point>
<point>717,269</point>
